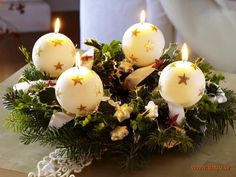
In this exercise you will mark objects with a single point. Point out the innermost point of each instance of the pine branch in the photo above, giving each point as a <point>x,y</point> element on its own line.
<point>9,98</point>
<point>32,74</point>
<point>17,122</point>
<point>158,140</point>
<point>26,54</point>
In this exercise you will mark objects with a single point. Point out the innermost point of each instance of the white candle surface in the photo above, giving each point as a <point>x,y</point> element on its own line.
<point>79,90</point>
<point>143,43</point>
<point>182,82</point>
<point>53,53</point>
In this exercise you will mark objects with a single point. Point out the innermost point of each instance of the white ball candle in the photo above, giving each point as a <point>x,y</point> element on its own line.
<point>54,53</point>
<point>79,90</point>
<point>182,82</point>
<point>143,43</point>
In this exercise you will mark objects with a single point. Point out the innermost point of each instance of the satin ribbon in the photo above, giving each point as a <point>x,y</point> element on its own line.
<point>59,119</point>
<point>133,79</point>
<point>175,109</point>
<point>87,58</point>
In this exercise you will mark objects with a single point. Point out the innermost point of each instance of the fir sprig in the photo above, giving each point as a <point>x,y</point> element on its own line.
<point>90,135</point>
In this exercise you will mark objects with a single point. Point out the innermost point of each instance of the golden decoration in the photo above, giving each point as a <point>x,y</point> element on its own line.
<point>98,90</point>
<point>135,32</point>
<point>148,46</point>
<point>82,109</point>
<point>73,52</point>
<point>154,28</point>
<point>39,52</point>
<point>77,80</point>
<point>159,87</point>
<point>201,92</point>
<point>183,79</point>
<point>58,93</point>
<point>194,66</point>
<point>173,65</point>
<point>57,42</point>
<point>133,58</point>
<point>58,66</point>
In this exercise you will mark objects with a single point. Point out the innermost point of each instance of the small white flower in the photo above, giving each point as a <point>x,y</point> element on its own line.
<point>123,112</point>
<point>219,97</point>
<point>152,109</point>
<point>119,133</point>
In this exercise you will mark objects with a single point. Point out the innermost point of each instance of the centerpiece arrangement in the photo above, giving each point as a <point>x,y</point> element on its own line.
<point>122,101</point>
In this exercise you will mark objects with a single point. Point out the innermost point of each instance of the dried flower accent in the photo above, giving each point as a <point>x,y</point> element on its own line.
<point>123,112</point>
<point>152,109</point>
<point>119,133</point>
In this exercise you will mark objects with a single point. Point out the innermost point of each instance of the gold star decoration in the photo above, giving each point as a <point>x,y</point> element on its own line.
<point>57,42</point>
<point>201,92</point>
<point>98,90</point>
<point>82,109</point>
<point>159,87</point>
<point>194,66</point>
<point>148,46</point>
<point>39,52</point>
<point>133,58</point>
<point>77,80</point>
<point>154,28</point>
<point>58,93</point>
<point>73,52</point>
<point>183,79</point>
<point>135,32</point>
<point>58,66</point>
<point>173,65</point>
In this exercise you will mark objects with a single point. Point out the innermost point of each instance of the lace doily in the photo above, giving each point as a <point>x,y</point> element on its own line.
<point>57,164</point>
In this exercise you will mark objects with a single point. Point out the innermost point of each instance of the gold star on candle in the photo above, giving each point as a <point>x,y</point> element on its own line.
<point>73,52</point>
<point>57,42</point>
<point>58,66</point>
<point>135,32</point>
<point>133,58</point>
<point>148,46</point>
<point>77,80</point>
<point>98,90</point>
<point>82,109</point>
<point>39,52</point>
<point>58,93</point>
<point>173,65</point>
<point>154,28</point>
<point>183,79</point>
<point>194,66</point>
<point>201,92</point>
<point>159,87</point>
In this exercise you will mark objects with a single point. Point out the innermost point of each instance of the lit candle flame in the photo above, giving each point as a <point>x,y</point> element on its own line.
<point>57,25</point>
<point>184,52</point>
<point>142,17</point>
<point>78,61</point>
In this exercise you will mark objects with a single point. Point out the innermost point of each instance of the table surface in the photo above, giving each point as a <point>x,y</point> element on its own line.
<point>16,160</point>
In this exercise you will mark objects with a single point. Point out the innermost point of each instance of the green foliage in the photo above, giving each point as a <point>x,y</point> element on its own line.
<point>31,73</point>
<point>26,54</point>
<point>90,135</point>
